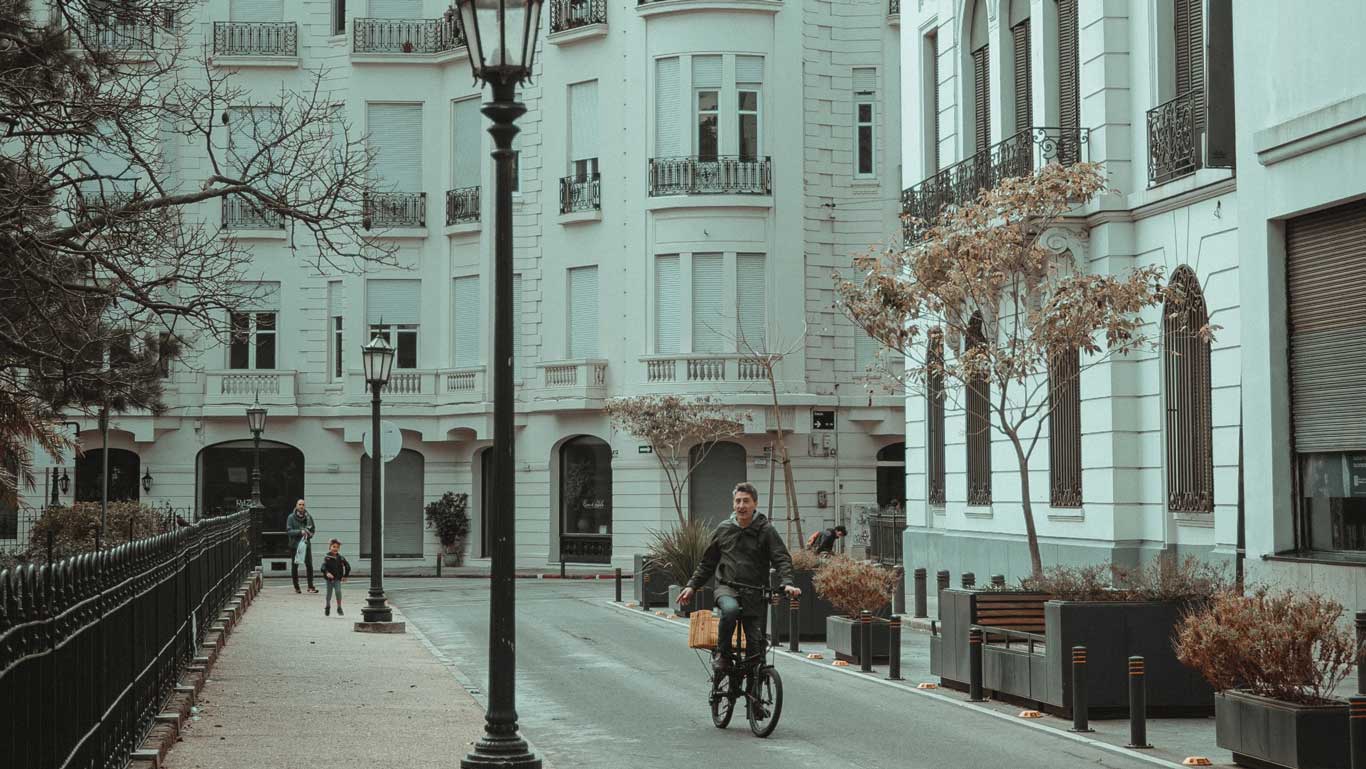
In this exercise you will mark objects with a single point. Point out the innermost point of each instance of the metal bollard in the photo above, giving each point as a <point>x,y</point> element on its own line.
<point>1138,705</point>
<point>1361,639</point>
<point>975,666</point>
<point>941,581</point>
<point>865,641</point>
<point>562,569</point>
<point>969,580</point>
<point>618,575</point>
<point>998,580</point>
<point>794,619</point>
<point>1356,730</point>
<point>439,558</point>
<point>894,649</point>
<point>920,598</point>
<point>899,592</point>
<point>1080,707</point>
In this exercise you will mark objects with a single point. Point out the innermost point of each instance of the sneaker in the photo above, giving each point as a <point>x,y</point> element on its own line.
<point>312,589</point>
<point>340,613</point>
<point>327,611</point>
<point>297,590</point>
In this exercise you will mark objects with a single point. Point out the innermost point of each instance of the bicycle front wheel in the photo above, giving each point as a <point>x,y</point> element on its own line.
<point>722,705</point>
<point>765,702</point>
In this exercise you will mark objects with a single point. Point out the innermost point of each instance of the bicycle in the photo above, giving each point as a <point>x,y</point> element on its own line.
<point>753,678</point>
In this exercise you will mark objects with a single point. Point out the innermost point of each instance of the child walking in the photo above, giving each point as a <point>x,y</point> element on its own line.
<point>335,569</point>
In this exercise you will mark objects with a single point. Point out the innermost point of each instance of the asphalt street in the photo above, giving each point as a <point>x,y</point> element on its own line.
<point>597,687</point>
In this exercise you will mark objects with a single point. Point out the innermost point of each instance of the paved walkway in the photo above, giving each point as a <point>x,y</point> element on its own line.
<point>293,689</point>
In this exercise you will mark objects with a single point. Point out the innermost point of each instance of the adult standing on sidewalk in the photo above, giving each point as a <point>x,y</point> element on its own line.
<point>301,527</point>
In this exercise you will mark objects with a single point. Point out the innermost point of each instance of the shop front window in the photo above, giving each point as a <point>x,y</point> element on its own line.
<point>1333,500</point>
<point>586,501</point>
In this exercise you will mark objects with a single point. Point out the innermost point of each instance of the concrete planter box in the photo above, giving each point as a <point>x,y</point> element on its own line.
<point>453,557</point>
<point>651,583</point>
<point>813,610</point>
<point>703,599</point>
<point>1262,732</point>
<point>844,636</point>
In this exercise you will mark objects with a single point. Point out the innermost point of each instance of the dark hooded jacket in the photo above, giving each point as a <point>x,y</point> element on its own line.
<point>743,555</point>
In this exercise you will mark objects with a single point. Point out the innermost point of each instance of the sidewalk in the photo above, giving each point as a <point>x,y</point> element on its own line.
<point>296,690</point>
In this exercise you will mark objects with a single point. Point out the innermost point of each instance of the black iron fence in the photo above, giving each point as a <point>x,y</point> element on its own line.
<point>580,193</point>
<point>394,209</point>
<point>893,7</point>
<point>246,214</point>
<point>462,205</point>
<point>406,36</point>
<point>1173,138</point>
<point>884,537</point>
<point>92,646</point>
<point>255,38</point>
<point>717,175</point>
<point>569,14</point>
<point>111,35</point>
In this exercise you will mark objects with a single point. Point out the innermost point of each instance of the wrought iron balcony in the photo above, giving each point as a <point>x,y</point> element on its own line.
<point>718,175</point>
<point>462,205</point>
<point>406,36</point>
<point>110,35</point>
<point>1021,154</point>
<point>1173,139</point>
<point>580,193</point>
<point>570,14</point>
<point>394,209</point>
<point>246,214</point>
<point>255,38</point>
<point>893,7</point>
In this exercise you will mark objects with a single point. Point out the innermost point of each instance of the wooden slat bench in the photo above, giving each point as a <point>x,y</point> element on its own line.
<point>1015,616</point>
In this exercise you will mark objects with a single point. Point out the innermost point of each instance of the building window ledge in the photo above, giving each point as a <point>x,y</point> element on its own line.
<point>1181,185</point>
<point>454,55</point>
<point>464,228</point>
<point>1194,520</point>
<point>665,202</point>
<point>1066,515</point>
<point>658,7</point>
<point>399,233</point>
<point>579,217</point>
<point>982,512</point>
<point>266,62</point>
<point>256,234</point>
<point>577,34</point>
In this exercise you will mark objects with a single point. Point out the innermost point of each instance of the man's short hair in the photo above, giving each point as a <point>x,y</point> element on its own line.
<point>334,541</point>
<point>745,487</point>
<point>841,530</point>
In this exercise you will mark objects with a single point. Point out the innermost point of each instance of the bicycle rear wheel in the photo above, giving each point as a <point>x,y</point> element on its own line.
<point>764,704</point>
<point>722,706</point>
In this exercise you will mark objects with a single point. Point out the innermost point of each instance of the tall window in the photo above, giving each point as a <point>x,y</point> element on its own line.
<point>706,83</point>
<point>1069,88</point>
<point>256,10</point>
<point>981,78</point>
<point>668,304</point>
<point>392,310</point>
<point>252,327</point>
<point>338,17</point>
<point>396,139</point>
<point>934,419</point>
<point>931,102</point>
<point>1186,369</point>
<point>336,313</point>
<point>978,424</point>
<point>1023,68</point>
<point>465,298</point>
<point>707,308</point>
<point>1189,38</point>
<point>583,129</point>
<point>583,313</point>
<point>668,96</point>
<point>466,138</point>
<point>865,93</point>
<point>517,326</point>
<point>749,77</point>
<point>751,302</point>
<point>1064,429</point>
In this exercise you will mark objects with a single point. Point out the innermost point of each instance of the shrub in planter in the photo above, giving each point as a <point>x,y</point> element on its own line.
<point>812,608</point>
<point>854,587</point>
<point>1275,660</point>
<point>74,528</point>
<point>450,517</point>
<point>678,551</point>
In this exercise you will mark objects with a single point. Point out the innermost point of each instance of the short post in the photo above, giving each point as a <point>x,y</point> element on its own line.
<point>894,649</point>
<point>561,568</point>
<point>618,577</point>
<point>921,603</point>
<point>1356,730</point>
<point>899,591</point>
<point>1361,639</point>
<point>439,558</point>
<point>1080,707</point>
<point>794,618</point>
<point>975,665</point>
<point>1138,705</point>
<point>865,641</point>
<point>969,580</point>
<point>998,580</point>
<point>941,581</point>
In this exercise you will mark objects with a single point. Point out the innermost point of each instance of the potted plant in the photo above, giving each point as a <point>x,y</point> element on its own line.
<point>407,46</point>
<point>677,551</point>
<point>812,608</point>
<point>450,517</point>
<point>854,587</point>
<point>1275,660</point>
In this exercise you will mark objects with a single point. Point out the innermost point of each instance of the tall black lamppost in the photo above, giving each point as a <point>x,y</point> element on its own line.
<point>377,357</point>
<point>256,422</point>
<point>509,28</point>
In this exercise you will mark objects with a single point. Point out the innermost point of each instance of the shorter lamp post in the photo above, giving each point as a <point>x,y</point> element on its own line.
<point>377,358</point>
<point>256,422</point>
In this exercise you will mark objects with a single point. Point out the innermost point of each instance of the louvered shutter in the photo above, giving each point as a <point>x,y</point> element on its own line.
<point>706,72</point>
<point>1326,278</point>
<point>396,9</point>
<point>256,10</point>
<point>258,297</point>
<point>465,296</point>
<point>865,351</point>
<point>1069,87</point>
<point>583,120</point>
<point>748,69</point>
<point>933,42</point>
<point>982,96</point>
<point>707,312</point>
<point>1195,43</point>
<point>668,307</point>
<point>583,313</point>
<point>1023,98</point>
<point>396,135</point>
<point>336,299</point>
<point>516,326</point>
<point>468,130</point>
<point>668,98</point>
<point>865,80</point>
<point>751,299</point>
<point>392,302</point>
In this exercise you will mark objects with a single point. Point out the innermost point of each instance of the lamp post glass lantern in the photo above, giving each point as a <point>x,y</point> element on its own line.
<point>147,480</point>
<point>500,37</point>
<point>377,358</point>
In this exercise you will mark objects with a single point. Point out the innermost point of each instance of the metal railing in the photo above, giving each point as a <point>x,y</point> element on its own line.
<point>1173,139</point>
<point>893,7</point>
<point>406,36</point>
<point>884,537</point>
<point>569,14</point>
<point>109,35</point>
<point>255,38</point>
<point>462,205</point>
<point>246,214</point>
<point>394,209</point>
<point>716,175</point>
<point>1018,155</point>
<point>91,646</point>
<point>580,193</point>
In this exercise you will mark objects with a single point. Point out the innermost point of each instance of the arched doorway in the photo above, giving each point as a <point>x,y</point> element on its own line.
<point>585,500</point>
<point>124,471</point>
<point>224,472</point>
<point>715,471</point>
<point>891,476</point>
<point>403,479</point>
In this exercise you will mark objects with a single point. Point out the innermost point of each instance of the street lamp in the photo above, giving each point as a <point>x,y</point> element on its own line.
<point>66,481</point>
<point>256,422</point>
<point>509,27</point>
<point>377,358</point>
<point>147,480</point>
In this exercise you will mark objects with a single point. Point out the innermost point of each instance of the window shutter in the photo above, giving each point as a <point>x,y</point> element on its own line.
<point>396,135</point>
<point>1024,101</point>
<point>668,97</point>
<point>260,297</point>
<point>1064,430</point>
<point>934,428</point>
<point>865,80</point>
<point>583,313</point>
<point>1069,70</point>
<point>1195,43</point>
<point>336,299</point>
<point>516,327</point>
<point>466,122</point>
<point>707,312</point>
<point>392,302</point>
<point>706,72</point>
<point>583,120</point>
<point>865,351</point>
<point>465,296</point>
<point>978,426</point>
<point>256,10</point>
<point>982,95</point>
<point>751,299</point>
<point>748,69</point>
<point>668,308</point>
<point>395,9</point>
<point>933,43</point>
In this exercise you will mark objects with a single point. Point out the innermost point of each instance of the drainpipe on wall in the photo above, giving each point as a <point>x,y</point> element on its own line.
<point>1241,553</point>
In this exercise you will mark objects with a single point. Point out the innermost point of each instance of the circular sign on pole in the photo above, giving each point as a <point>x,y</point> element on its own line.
<point>390,441</point>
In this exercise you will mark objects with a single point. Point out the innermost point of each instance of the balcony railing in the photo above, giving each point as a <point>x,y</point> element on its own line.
<point>893,7</point>
<point>255,38</point>
<point>1173,139</point>
<point>711,176</point>
<point>406,36</point>
<point>703,369</point>
<point>235,387</point>
<point>110,35</point>
<point>247,214</point>
<point>580,193</point>
<point>462,381</point>
<point>394,209</point>
<point>569,14</point>
<point>462,205</point>
<point>1021,154</point>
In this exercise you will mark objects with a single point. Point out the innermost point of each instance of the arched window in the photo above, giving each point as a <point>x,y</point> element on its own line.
<point>934,420</point>
<point>1064,429</point>
<point>891,476</point>
<point>586,500</point>
<point>1185,364</point>
<point>124,470</point>
<point>979,424</point>
<point>224,472</point>
<point>981,73</point>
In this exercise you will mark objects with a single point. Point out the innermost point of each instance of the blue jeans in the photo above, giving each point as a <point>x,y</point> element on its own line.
<point>753,627</point>
<point>333,586</point>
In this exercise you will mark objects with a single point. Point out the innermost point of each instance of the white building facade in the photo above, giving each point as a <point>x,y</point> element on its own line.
<point>690,173</point>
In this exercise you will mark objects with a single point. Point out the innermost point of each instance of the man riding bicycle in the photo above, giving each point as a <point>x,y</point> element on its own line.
<point>743,549</point>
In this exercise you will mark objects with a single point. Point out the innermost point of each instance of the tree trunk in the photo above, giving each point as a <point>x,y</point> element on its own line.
<point>1035,561</point>
<point>794,516</point>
